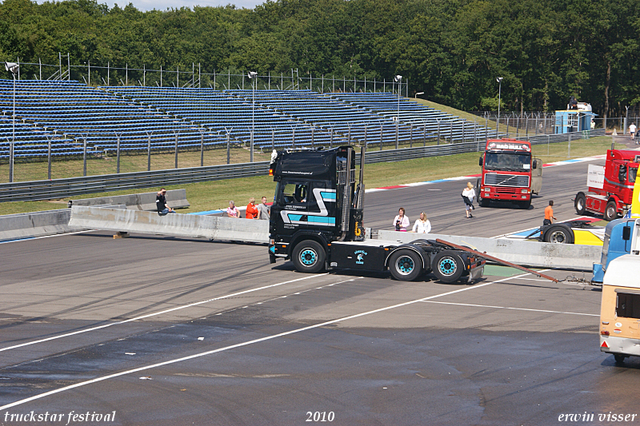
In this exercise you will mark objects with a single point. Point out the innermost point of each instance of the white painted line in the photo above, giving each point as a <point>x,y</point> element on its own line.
<point>239,345</point>
<point>177,308</point>
<point>473,305</point>
<point>17,240</point>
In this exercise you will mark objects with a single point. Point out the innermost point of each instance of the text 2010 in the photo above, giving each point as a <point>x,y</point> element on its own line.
<point>320,416</point>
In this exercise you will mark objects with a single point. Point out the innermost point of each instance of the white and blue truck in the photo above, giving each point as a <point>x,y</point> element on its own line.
<point>621,237</point>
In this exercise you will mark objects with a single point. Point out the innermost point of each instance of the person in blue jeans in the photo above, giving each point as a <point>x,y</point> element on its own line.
<point>161,203</point>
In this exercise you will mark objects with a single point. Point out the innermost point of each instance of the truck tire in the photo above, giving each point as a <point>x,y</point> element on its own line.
<point>405,265</point>
<point>580,203</point>
<point>481,201</point>
<point>611,211</point>
<point>525,204</point>
<point>559,234</point>
<point>447,266</point>
<point>309,256</point>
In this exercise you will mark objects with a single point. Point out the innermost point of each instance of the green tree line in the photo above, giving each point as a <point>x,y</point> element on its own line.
<point>452,50</point>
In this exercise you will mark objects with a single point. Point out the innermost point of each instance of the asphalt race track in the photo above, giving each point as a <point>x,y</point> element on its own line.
<point>163,331</point>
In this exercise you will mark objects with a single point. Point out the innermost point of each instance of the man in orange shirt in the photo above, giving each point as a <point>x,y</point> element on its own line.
<point>548,214</point>
<point>252,210</point>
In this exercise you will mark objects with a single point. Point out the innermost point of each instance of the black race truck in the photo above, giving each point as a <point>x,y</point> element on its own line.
<point>316,221</point>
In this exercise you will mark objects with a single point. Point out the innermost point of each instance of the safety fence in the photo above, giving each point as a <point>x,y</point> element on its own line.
<point>62,188</point>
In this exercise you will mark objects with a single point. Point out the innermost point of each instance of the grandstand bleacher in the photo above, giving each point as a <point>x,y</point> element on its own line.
<point>133,119</point>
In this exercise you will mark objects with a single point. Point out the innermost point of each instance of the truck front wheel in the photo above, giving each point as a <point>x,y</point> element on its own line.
<point>580,203</point>
<point>611,211</point>
<point>405,265</point>
<point>447,266</point>
<point>309,256</point>
<point>481,201</point>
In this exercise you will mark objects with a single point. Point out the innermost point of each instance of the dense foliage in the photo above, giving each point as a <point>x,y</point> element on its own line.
<point>453,50</point>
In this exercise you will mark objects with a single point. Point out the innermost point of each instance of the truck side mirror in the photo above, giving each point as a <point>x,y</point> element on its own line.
<point>535,164</point>
<point>626,233</point>
<point>480,162</point>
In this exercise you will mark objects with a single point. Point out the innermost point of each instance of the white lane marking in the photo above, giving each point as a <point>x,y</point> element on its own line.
<point>177,308</point>
<point>239,345</point>
<point>17,240</point>
<point>473,305</point>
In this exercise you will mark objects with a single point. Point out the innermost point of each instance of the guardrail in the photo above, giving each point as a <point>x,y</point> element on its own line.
<point>70,187</point>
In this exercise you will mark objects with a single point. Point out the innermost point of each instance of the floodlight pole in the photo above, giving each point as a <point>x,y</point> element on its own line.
<point>499,80</point>
<point>13,68</point>
<point>252,76</point>
<point>398,79</point>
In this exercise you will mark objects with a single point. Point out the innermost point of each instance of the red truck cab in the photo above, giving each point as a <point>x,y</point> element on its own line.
<point>509,173</point>
<point>610,186</point>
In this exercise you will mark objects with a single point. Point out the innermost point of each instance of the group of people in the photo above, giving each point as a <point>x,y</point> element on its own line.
<point>261,211</point>
<point>402,223</point>
<point>423,226</point>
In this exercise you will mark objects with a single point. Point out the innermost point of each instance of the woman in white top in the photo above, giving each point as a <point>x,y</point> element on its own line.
<point>468,195</point>
<point>401,222</point>
<point>422,225</point>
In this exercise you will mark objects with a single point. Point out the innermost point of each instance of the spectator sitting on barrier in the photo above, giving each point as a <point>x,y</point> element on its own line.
<point>252,210</point>
<point>263,209</point>
<point>232,210</point>
<point>161,203</point>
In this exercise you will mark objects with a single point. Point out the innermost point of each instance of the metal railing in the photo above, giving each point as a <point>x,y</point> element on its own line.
<point>69,187</point>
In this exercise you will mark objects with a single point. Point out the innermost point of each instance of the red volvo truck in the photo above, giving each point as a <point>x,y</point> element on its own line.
<point>509,173</point>
<point>610,186</point>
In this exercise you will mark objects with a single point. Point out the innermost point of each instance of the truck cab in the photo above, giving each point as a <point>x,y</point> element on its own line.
<point>610,187</point>
<point>316,199</point>
<point>621,237</point>
<point>509,173</point>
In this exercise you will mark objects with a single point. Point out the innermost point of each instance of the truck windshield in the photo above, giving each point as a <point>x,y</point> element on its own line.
<point>511,161</point>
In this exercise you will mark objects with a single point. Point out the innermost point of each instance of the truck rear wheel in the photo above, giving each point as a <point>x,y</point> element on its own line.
<point>560,234</point>
<point>309,256</point>
<point>580,203</point>
<point>447,266</point>
<point>611,211</point>
<point>405,265</point>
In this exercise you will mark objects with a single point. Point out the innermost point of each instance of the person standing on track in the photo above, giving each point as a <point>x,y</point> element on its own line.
<point>468,194</point>
<point>422,225</point>
<point>401,222</point>
<point>548,214</point>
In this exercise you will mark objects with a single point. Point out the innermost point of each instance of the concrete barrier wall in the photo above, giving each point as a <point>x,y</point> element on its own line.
<point>179,225</point>
<point>28,225</point>
<point>525,253</point>
<point>176,198</point>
